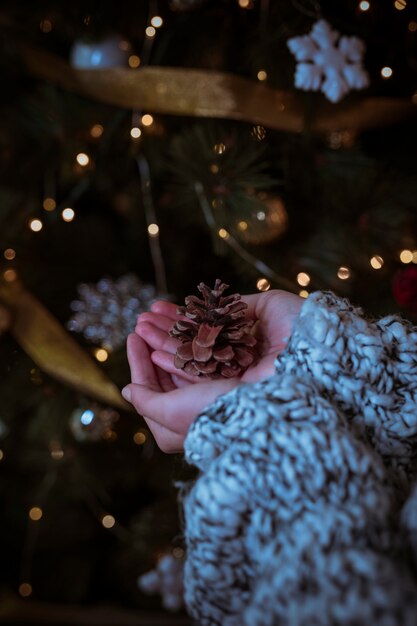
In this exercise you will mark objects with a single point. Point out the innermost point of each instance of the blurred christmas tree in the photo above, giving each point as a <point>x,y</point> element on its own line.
<point>146,147</point>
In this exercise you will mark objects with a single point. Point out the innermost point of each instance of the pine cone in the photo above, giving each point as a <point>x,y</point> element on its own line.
<point>216,338</point>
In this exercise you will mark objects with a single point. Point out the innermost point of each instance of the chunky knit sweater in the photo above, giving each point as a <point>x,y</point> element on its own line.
<point>305,508</point>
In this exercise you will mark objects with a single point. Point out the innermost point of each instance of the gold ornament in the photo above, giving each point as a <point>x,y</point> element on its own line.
<point>268,221</point>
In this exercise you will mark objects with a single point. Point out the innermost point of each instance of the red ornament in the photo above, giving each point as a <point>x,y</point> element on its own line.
<point>404,288</point>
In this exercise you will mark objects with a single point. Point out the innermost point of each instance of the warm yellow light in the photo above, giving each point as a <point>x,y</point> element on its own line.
<point>134,61</point>
<point>68,214</point>
<point>153,230</point>
<point>364,5</point>
<point>303,279</point>
<point>25,590</point>
<point>56,451</point>
<point>400,4</point>
<point>124,45</point>
<point>245,4</point>
<point>108,521</point>
<point>386,72</point>
<point>258,132</point>
<point>101,354</point>
<point>343,272</point>
<point>219,148</point>
<point>214,168</point>
<point>35,513</point>
<point>412,27</point>
<point>49,204</point>
<point>96,131</point>
<point>147,120</point>
<point>135,132</point>
<point>10,276</point>
<point>45,26</point>
<point>406,256</point>
<point>376,262</point>
<point>303,293</point>
<point>35,225</point>
<point>83,159</point>
<point>139,438</point>
<point>9,254</point>
<point>1,455</point>
<point>263,284</point>
<point>414,256</point>
<point>150,31</point>
<point>223,233</point>
<point>157,21</point>
<point>242,225</point>
<point>262,75</point>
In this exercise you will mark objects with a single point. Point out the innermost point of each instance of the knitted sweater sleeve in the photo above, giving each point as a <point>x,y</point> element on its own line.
<point>295,517</point>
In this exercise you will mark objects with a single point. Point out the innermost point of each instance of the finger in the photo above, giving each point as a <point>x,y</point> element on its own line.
<point>160,321</point>
<point>141,367</point>
<point>156,338</point>
<point>168,309</point>
<point>165,380</point>
<point>167,441</point>
<point>165,361</point>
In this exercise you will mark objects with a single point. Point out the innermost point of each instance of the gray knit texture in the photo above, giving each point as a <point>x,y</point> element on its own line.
<point>305,508</point>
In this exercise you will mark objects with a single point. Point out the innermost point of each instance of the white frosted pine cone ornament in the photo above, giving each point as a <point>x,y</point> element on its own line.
<point>108,52</point>
<point>106,312</point>
<point>328,62</point>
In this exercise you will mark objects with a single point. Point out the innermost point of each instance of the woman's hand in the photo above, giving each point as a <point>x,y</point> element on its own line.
<point>169,399</point>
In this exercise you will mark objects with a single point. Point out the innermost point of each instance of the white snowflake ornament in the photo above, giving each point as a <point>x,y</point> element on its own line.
<point>328,62</point>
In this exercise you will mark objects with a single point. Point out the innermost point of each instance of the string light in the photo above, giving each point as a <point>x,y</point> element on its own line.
<point>178,553</point>
<point>258,132</point>
<point>124,45</point>
<point>9,254</point>
<point>68,214</point>
<point>45,26</point>
<point>400,4</point>
<point>150,31</point>
<point>376,262</point>
<point>214,168</point>
<point>414,256</point>
<point>245,4</point>
<point>96,131</point>
<point>56,450</point>
<point>262,75</point>
<point>35,225</point>
<point>261,216</point>
<point>101,355</point>
<point>49,204</point>
<point>343,272</point>
<point>35,513</point>
<point>153,230</point>
<point>147,120</point>
<point>412,27</point>
<point>108,521</point>
<point>83,159</point>
<point>364,5</point>
<point>303,293</point>
<point>135,132</point>
<point>223,233</point>
<point>242,225</point>
<point>157,21</point>
<point>303,279</point>
<point>1,455</point>
<point>10,276</point>
<point>219,148</point>
<point>25,590</point>
<point>406,256</point>
<point>134,61</point>
<point>139,438</point>
<point>386,72</point>
<point>263,284</point>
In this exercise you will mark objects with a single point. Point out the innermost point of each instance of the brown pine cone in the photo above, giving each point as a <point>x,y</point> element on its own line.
<point>216,338</point>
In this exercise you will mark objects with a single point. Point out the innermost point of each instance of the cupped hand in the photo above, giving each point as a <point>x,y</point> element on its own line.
<point>168,398</point>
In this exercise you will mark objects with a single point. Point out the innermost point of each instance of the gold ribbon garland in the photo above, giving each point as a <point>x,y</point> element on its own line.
<point>53,350</point>
<point>207,93</point>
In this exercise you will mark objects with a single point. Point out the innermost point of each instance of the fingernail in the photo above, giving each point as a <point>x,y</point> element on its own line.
<point>126,393</point>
